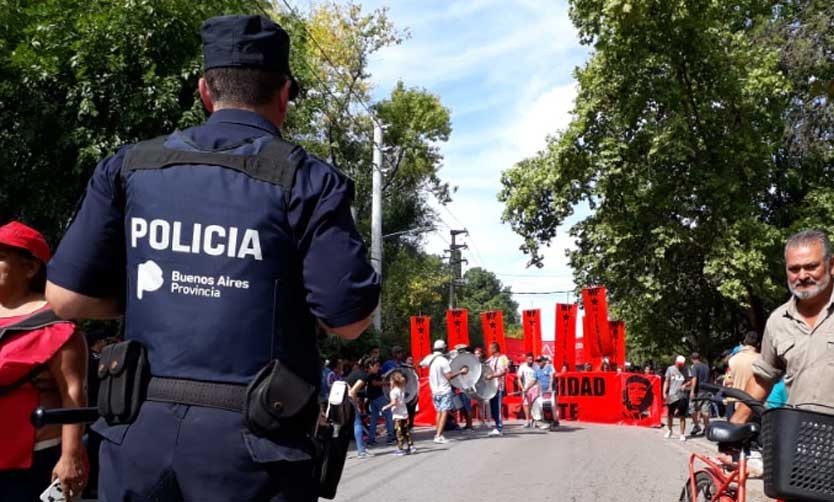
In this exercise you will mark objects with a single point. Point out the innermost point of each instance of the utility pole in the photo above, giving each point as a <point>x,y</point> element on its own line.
<point>376,216</point>
<point>455,261</point>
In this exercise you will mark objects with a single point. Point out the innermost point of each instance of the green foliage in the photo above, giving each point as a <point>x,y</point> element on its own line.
<point>699,140</point>
<point>78,79</point>
<point>484,292</point>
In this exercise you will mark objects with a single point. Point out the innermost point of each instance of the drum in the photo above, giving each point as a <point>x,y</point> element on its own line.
<point>466,359</point>
<point>412,382</point>
<point>484,389</point>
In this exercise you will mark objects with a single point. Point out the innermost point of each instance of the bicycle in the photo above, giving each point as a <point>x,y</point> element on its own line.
<point>719,479</point>
<point>796,447</point>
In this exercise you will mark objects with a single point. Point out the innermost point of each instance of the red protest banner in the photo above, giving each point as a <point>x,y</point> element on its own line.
<point>597,337</point>
<point>532,322</point>
<point>565,344</point>
<point>492,324</point>
<point>457,327</point>
<point>420,339</point>
<point>627,399</point>
<point>602,397</point>
<point>618,335</point>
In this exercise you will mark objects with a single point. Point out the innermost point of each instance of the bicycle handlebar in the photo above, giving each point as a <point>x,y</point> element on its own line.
<point>754,404</point>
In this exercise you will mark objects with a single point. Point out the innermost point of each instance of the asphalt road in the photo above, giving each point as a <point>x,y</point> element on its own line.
<point>577,463</point>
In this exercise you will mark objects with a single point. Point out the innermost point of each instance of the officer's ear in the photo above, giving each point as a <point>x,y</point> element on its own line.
<point>205,95</point>
<point>284,95</point>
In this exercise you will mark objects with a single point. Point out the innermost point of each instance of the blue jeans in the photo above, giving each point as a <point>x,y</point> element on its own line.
<point>358,430</point>
<point>376,411</point>
<point>495,409</point>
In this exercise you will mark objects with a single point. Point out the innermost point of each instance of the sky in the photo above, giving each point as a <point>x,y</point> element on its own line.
<point>505,70</point>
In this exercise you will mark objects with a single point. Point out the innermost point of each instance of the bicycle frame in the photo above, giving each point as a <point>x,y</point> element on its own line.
<point>722,480</point>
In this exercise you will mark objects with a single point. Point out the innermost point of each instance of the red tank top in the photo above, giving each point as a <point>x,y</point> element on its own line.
<point>20,353</point>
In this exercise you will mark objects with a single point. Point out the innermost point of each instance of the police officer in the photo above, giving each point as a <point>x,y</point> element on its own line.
<point>223,246</point>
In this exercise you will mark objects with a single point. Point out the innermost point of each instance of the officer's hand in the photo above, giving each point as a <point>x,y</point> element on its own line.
<point>464,370</point>
<point>71,470</point>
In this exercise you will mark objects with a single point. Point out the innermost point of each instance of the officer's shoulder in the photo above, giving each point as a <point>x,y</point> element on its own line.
<point>315,166</point>
<point>110,167</point>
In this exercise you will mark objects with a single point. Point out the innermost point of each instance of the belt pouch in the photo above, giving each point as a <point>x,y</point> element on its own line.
<point>123,374</point>
<point>275,400</point>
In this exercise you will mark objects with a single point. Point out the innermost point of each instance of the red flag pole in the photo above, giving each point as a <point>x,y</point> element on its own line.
<point>420,340</point>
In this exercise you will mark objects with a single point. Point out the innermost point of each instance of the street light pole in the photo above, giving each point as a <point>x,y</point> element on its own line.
<point>376,216</point>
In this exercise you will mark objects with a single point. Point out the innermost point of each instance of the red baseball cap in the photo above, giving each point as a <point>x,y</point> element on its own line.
<point>18,235</point>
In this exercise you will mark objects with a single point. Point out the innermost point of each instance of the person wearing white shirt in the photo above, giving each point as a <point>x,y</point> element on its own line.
<point>440,373</point>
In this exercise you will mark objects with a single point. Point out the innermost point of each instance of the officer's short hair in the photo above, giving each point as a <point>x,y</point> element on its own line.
<point>243,86</point>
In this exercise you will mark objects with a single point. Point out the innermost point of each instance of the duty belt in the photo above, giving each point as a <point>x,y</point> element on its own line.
<point>226,396</point>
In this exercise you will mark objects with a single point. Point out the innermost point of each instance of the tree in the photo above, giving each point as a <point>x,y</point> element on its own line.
<point>679,146</point>
<point>484,292</point>
<point>79,79</point>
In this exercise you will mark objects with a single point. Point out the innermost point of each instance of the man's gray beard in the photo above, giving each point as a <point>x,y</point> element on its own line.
<point>813,293</point>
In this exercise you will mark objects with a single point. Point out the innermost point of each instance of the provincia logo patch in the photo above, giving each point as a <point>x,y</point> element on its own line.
<point>150,277</point>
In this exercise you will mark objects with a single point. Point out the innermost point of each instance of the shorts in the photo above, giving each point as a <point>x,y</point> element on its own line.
<point>678,408</point>
<point>465,401</point>
<point>531,395</point>
<point>444,402</point>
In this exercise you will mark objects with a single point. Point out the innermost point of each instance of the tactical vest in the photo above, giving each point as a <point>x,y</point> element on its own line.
<point>214,285</point>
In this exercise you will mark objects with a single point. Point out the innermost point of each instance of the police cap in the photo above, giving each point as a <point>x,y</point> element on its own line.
<point>247,42</point>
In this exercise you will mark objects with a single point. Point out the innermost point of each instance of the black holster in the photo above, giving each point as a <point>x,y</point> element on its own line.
<point>279,403</point>
<point>332,440</point>
<point>123,374</point>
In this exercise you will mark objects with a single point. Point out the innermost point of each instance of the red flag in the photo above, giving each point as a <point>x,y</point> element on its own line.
<point>587,353</point>
<point>457,327</point>
<point>420,339</point>
<point>618,335</point>
<point>598,335</point>
<point>532,320</point>
<point>492,324</point>
<point>565,345</point>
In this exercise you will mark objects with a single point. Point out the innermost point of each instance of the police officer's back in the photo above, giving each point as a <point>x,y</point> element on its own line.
<point>226,246</point>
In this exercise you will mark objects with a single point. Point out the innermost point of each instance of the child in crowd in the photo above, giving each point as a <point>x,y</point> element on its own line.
<point>399,412</point>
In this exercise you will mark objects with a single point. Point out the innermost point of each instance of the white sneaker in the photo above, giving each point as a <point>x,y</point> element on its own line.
<point>440,440</point>
<point>495,432</point>
<point>683,437</point>
<point>668,434</point>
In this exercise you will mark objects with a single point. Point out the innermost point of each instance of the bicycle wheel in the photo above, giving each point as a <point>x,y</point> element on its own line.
<point>704,488</point>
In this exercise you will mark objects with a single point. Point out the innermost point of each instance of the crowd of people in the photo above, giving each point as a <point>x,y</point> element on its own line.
<point>378,396</point>
<point>48,367</point>
<point>685,399</point>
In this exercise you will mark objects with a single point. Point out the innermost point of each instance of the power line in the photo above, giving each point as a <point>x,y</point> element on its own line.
<point>541,292</point>
<point>533,276</point>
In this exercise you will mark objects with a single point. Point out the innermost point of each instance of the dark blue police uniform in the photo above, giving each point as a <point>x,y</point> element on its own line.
<point>221,272</point>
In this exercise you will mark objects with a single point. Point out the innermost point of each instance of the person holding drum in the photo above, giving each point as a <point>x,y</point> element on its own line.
<point>440,373</point>
<point>498,364</point>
